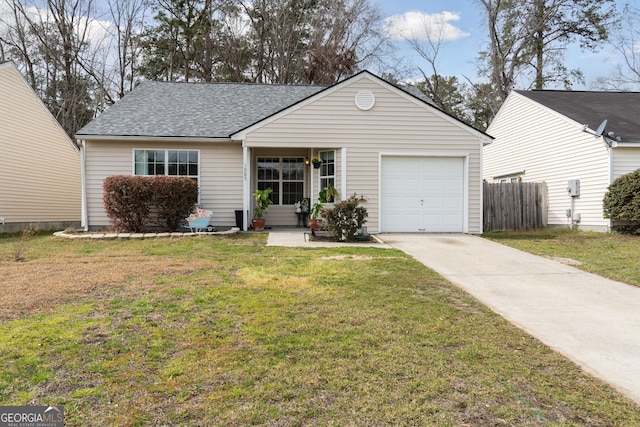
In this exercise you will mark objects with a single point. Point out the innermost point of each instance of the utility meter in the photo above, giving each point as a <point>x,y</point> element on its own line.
<point>573,188</point>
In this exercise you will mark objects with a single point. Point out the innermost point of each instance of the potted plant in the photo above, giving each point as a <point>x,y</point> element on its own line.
<point>262,205</point>
<point>316,161</point>
<point>326,195</point>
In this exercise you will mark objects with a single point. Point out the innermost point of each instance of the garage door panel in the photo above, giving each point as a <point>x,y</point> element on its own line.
<point>432,202</point>
<point>410,186</point>
<point>432,185</point>
<point>390,184</point>
<point>410,203</point>
<point>451,185</point>
<point>452,203</point>
<point>422,194</point>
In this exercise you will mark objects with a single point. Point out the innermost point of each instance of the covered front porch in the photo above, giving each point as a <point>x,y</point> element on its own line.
<point>292,176</point>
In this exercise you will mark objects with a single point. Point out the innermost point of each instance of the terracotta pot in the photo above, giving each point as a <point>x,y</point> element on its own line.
<point>314,224</point>
<point>258,224</point>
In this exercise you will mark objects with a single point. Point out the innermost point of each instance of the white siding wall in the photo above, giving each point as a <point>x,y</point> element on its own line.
<point>625,160</point>
<point>550,149</point>
<point>394,125</point>
<point>220,175</point>
<point>40,180</point>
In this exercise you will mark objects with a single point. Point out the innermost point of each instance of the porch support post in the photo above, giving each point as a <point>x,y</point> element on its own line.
<point>343,173</point>
<point>84,218</point>
<point>246,186</point>
<point>312,198</point>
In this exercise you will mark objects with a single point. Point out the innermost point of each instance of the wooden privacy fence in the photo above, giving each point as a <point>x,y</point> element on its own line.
<point>515,206</point>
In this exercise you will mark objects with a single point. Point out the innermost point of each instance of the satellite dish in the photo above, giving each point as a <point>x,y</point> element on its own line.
<point>600,130</point>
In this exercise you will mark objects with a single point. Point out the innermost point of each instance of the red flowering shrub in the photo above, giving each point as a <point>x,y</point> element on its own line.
<point>130,201</point>
<point>127,201</point>
<point>173,199</point>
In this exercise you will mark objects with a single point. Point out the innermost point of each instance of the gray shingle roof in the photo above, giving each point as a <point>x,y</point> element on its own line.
<point>620,109</point>
<point>209,110</point>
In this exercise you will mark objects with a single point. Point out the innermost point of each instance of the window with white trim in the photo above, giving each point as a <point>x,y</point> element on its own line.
<point>510,179</point>
<point>167,162</point>
<point>284,175</point>
<point>327,169</point>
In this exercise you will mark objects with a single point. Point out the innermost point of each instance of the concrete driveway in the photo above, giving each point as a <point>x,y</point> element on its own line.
<point>593,321</point>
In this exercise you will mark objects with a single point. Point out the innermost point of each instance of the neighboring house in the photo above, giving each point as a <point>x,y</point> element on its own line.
<point>416,168</point>
<point>40,179</point>
<point>550,136</point>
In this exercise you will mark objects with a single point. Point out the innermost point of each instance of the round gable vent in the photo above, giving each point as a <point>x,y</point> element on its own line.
<point>365,100</point>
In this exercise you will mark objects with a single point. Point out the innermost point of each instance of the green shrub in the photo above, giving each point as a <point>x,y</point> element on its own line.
<point>622,202</point>
<point>130,201</point>
<point>127,201</point>
<point>346,218</point>
<point>173,199</point>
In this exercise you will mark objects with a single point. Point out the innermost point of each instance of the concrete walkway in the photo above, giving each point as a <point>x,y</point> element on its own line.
<point>591,320</point>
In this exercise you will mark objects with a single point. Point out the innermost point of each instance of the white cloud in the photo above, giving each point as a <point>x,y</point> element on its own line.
<point>424,26</point>
<point>93,30</point>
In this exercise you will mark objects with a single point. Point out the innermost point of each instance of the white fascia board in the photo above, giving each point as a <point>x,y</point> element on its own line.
<point>616,144</point>
<point>150,138</point>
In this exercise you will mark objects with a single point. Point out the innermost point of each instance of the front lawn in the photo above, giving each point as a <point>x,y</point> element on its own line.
<point>612,255</point>
<point>226,331</point>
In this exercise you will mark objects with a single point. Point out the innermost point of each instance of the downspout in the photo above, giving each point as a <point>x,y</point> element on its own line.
<point>610,152</point>
<point>84,220</point>
<point>245,186</point>
<point>481,188</point>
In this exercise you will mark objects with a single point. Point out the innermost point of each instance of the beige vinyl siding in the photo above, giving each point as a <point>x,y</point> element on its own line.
<point>625,160</point>
<point>550,148</point>
<point>395,125</point>
<point>40,178</point>
<point>220,175</point>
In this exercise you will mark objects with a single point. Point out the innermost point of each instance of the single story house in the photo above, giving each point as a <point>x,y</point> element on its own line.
<point>415,168</point>
<point>40,180</point>
<point>577,142</point>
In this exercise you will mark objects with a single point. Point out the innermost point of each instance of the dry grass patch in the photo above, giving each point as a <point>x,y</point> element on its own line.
<point>42,284</point>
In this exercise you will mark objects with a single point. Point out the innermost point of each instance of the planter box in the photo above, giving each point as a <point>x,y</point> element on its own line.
<point>199,224</point>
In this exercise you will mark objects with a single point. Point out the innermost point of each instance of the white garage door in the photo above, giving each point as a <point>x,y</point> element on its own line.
<point>422,194</point>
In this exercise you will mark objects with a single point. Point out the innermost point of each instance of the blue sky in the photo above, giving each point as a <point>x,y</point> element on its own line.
<point>463,22</point>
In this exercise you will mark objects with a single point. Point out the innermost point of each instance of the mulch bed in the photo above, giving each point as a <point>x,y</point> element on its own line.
<point>325,236</point>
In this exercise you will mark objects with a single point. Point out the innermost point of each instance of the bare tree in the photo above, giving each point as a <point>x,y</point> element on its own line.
<point>427,45</point>
<point>128,18</point>
<point>625,41</point>
<point>527,39</point>
<point>48,39</point>
<point>343,36</point>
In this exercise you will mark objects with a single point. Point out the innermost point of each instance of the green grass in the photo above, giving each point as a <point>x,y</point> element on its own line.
<point>227,331</point>
<point>612,255</point>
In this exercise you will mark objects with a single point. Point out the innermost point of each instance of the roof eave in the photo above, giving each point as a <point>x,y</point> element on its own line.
<point>617,144</point>
<point>148,138</point>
